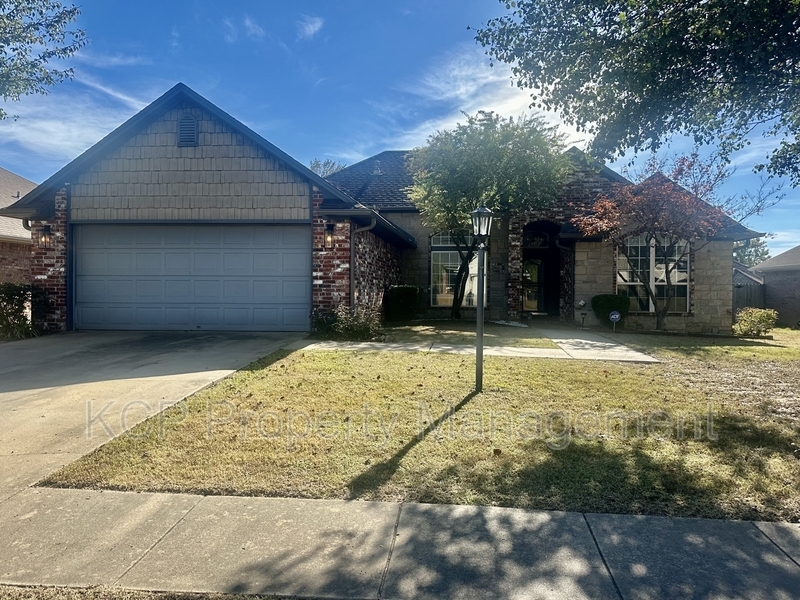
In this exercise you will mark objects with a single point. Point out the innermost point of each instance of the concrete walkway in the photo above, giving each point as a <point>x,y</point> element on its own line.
<point>340,549</point>
<point>572,344</point>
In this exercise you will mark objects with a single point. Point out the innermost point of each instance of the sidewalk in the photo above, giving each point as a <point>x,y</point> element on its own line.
<point>340,549</point>
<point>572,344</point>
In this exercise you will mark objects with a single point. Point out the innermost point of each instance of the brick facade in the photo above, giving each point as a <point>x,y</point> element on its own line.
<point>15,262</point>
<point>49,266</point>
<point>377,266</point>
<point>331,267</point>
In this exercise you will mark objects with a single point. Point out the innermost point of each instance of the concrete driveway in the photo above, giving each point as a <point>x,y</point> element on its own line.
<point>63,395</point>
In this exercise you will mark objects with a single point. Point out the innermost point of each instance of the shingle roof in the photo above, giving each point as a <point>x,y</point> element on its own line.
<point>13,187</point>
<point>379,181</point>
<point>742,275</point>
<point>787,261</point>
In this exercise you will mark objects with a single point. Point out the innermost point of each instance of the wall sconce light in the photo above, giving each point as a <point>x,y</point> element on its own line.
<point>329,236</point>
<point>44,237</point>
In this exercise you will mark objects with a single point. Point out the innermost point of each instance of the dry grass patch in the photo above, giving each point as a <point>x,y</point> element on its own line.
<point>546,434</point>
<point>8,592</point>
<point>463,332</point>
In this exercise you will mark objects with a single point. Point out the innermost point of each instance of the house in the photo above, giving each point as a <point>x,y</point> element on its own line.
<point>184,218</point>
<point>782,285</point>
<point>540,264</point>
<point>15,240</point>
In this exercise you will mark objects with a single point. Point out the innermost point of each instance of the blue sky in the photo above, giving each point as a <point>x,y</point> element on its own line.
<point>341,80</point>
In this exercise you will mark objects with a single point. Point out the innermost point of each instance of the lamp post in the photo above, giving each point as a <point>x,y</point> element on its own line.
<point>481,228</point>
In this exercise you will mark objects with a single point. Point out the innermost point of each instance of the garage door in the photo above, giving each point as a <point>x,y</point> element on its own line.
<point>215,277</point>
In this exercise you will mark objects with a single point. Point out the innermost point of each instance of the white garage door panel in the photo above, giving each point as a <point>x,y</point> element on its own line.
<point>232,277</point>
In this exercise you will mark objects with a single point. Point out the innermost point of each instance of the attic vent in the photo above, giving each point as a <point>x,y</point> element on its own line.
<point>187,131</point>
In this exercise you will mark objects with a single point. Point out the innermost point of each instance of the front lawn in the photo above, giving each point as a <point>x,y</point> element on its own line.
<point>701,434</point>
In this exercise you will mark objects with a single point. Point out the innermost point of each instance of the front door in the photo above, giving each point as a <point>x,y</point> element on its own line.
<point>533,286</point>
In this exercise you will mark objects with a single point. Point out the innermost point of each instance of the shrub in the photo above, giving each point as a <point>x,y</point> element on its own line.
<point>754,321</point>
<point>401,302</point>
<point>21,310</point>
<point>344,323</point>
<point>603,304</point>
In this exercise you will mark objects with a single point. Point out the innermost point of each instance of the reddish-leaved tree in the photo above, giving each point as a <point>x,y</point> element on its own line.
<point>663,217</point>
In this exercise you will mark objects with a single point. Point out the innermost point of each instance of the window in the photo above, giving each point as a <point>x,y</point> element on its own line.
<point>445,262</point>
<point>650,261</point>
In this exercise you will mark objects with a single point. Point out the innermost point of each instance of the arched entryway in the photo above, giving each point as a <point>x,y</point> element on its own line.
<point>540,268</point>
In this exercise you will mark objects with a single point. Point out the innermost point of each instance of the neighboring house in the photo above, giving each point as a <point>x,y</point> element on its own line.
<point>748,288</point>
<point>184,218</point>
<point>15,240</point>
<point>782,285</point>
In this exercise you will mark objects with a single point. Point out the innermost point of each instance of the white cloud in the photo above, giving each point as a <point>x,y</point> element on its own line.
<point>784,240</point>
<point>58,127</point>
<point>127,100</point>
<point>111,60</point>
<point>463,82</point>
<point>175,35</point>
<point>229,32</point>
<point>308,27</point>
<point>252,28</point>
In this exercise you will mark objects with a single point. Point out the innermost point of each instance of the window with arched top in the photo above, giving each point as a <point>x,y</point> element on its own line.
<point>187,131</point>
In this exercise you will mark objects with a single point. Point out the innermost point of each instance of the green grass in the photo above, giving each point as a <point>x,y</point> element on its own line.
<point>545,434</point>
<point>463,332</point>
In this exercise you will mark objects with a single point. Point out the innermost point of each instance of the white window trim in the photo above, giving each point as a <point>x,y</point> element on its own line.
<point>654,283</point>
<point>442,248</point>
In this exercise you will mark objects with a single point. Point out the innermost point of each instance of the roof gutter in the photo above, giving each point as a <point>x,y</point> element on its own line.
<point>382,225</point>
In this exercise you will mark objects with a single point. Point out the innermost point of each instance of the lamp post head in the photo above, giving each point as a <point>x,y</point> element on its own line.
<point>481,222</point>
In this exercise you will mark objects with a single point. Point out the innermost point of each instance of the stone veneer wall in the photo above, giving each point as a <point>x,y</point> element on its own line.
<point>594,274</point>
<point>377,266</point>
<point>49,266</point>
<point>15,262</point>
<point>782,290</point>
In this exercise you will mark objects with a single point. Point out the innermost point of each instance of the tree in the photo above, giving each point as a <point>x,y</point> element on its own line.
<point>508,165</point>
<point>634,72</point>
<point>32,33</point>
<point>751,252</point>
<point>665,220</point>
<point>325,168</point>
<point>704,176</point>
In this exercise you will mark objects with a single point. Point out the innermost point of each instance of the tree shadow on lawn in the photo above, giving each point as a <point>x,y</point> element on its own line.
<point>605,476</point>
<point>690,346</point>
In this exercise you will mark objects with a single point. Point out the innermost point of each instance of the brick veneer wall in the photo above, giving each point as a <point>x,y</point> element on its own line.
<point>782,289</point>
<point>15,262</point>
<point>377,266</point>
<point>331,268</point>
<point>49,266</point>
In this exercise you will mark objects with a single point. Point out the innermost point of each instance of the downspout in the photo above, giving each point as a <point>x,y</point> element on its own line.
<point>353,233</point>
<point>70,258</point>
<point>26,223</point>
